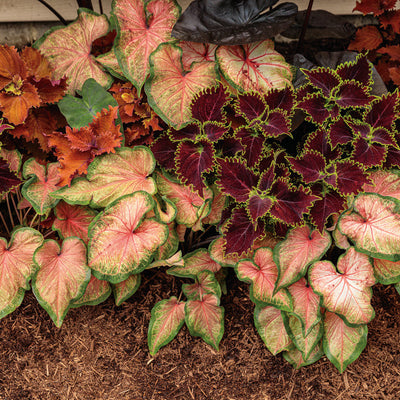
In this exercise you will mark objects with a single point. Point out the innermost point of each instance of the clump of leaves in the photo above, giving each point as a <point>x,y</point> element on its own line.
<point>382,40</point>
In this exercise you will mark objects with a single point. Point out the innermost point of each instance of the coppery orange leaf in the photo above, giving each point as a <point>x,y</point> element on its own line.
<point>367,38</point>
<point>10,65</point>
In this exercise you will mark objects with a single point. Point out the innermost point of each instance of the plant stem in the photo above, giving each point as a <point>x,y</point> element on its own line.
<point>18,212</point>
<point>85,4</point>
<point>4,223</point>
<point>304,28</point>
<point>101,7</point>
<point>9,211</point>
<point>48,6</point>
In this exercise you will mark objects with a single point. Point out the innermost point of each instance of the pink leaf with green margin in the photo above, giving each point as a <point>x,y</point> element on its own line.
<point>170,246</point>
<point>68,50</point>
<point>121,241</point>
<point>255,66</point>
<point>17,267</point>
<point>124,290</point>
<point>195,262</point>
<point>62,276</point>
<point>205,318</point>
<point>269,324</point>
<point>167,318</point>
<point>306,344</point>
<point>165,210</point>
<point>347,290</point>
<point>196,52</point>
<point>111,176</point>
<point>171,89</point>
<point>373,226</point>
<point>305,305</point>
<point>42,183</point>
<point>96,292</point>
<point>206,283</point>
<point>217,254</point>
<point>295,357</point>
<point>261,272</point>
<point>73,220</point>
<point>385,183</point>
<point>217,206</point>
<point>141,27</point>
<point>189,205</point>
<point>175,260</point>
<point>110,62</point>
<point>342,343</point>
<point>386,272</point>
<point>301,247</point>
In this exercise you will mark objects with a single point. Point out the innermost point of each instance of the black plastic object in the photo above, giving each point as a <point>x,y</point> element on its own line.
<point>233,21</point>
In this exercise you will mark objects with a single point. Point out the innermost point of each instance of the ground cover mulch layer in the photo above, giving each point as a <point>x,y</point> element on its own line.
<point>100,353</point>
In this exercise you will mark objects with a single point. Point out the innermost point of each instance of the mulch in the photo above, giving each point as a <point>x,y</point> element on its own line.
<point>100,353</point>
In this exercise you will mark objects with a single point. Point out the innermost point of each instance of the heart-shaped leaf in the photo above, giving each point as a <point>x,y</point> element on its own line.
<point>206,283</point>
<point>170,89</point>
<point>269,324</point>
<point>342,343</point>
<point>125,289</point>
<point>17,267</point>
<point>385,183</point>
<point>167,318</point>
<point>68,50</point>
<point>111,176</point>
<point>295,357</point>
<point>386,272</point>
<point>96,292</point>
<point>122,241</point>
<point>205,318</point>
<point>62,276</point>
<point>373,226</point>
<point>301,247</point>
<point>347,292</point>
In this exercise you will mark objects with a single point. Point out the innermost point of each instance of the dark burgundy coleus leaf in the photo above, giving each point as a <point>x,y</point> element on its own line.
<point>258,207</point>
<point>253,144</point>
<point>318,108</point>
<point>209,105</point>
<point>214,130</point>
<point>360,70</point>
<point>323,79</point>
<point>275,124</point>
<point>383,111</point>
<point>352,94</point>
<point>267,178</point>
<point>240,233</point>
<point>236,179</point>
<point>339,132</point>
<point>190,131</point>
<point>8,179</point>
<point>350,177</point>
<point>368,153</point>
<point>310,165</point>
<point>192,161</point>
<point>280,98</point>
<point>164,151</point>
<point>251,106</point>
<point>228,147</point>
<point>392,158</point>
<point>318,141</point>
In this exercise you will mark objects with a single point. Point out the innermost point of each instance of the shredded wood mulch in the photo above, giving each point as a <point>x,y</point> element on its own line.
<point>100,353</point>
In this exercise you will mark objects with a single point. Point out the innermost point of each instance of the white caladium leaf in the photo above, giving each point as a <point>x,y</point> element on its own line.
<point>306,344</point>
<point>111,176</point>
<point>96,292</point>
<point>206,283</point>
<point>17,267</point>
<point>342,343</point>
<point>42,181</point>
<point>301,247</point>
<point>195,262</point>
<point>205,318</point>
<point>374,226</point>
<point>269,324</point>
<point>124,290</point>
<point>261,272</point>
<point>347,290</point>
<point>386,272</point>
<point>306,305</point>
<point>295,357</point>
<point>62,276</point>
<point>167,318</point>
<point>385,183</point>
<point>122,241</point>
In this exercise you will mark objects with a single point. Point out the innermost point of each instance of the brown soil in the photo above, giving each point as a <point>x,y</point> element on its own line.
<point>100,353</point>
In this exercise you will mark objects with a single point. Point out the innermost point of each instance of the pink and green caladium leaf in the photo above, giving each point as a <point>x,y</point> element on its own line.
<point>141,27</point>
<point>205,318</point>
<point>111,176</point>
<point>42,182</point>
<point>373,226</point>
<point>62,276</point>
<point>217,253</point>
<point>385,183</point>
<point>269,324</point>
<point>167,318</point>
<point>196,52</point>
<point>96,292</point>
<point>124,290</point>
<point>169,248</point>
<point>195,262</point>
<point>175,260</point>
<point>261,272</point>
<point>306,344</point>
<point>170,89</point>
<point>255,66</point>
<point>122,241</point>
<point>386,272</point>
<point>206,283</point>
<point>306,305</point>
<point>68,50</point>
<point>342,343</point>
<point>295,357</point>
<point>347,290</point>
<point>17,267</point>
<point>73,220</point>
<point>301,247</point>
